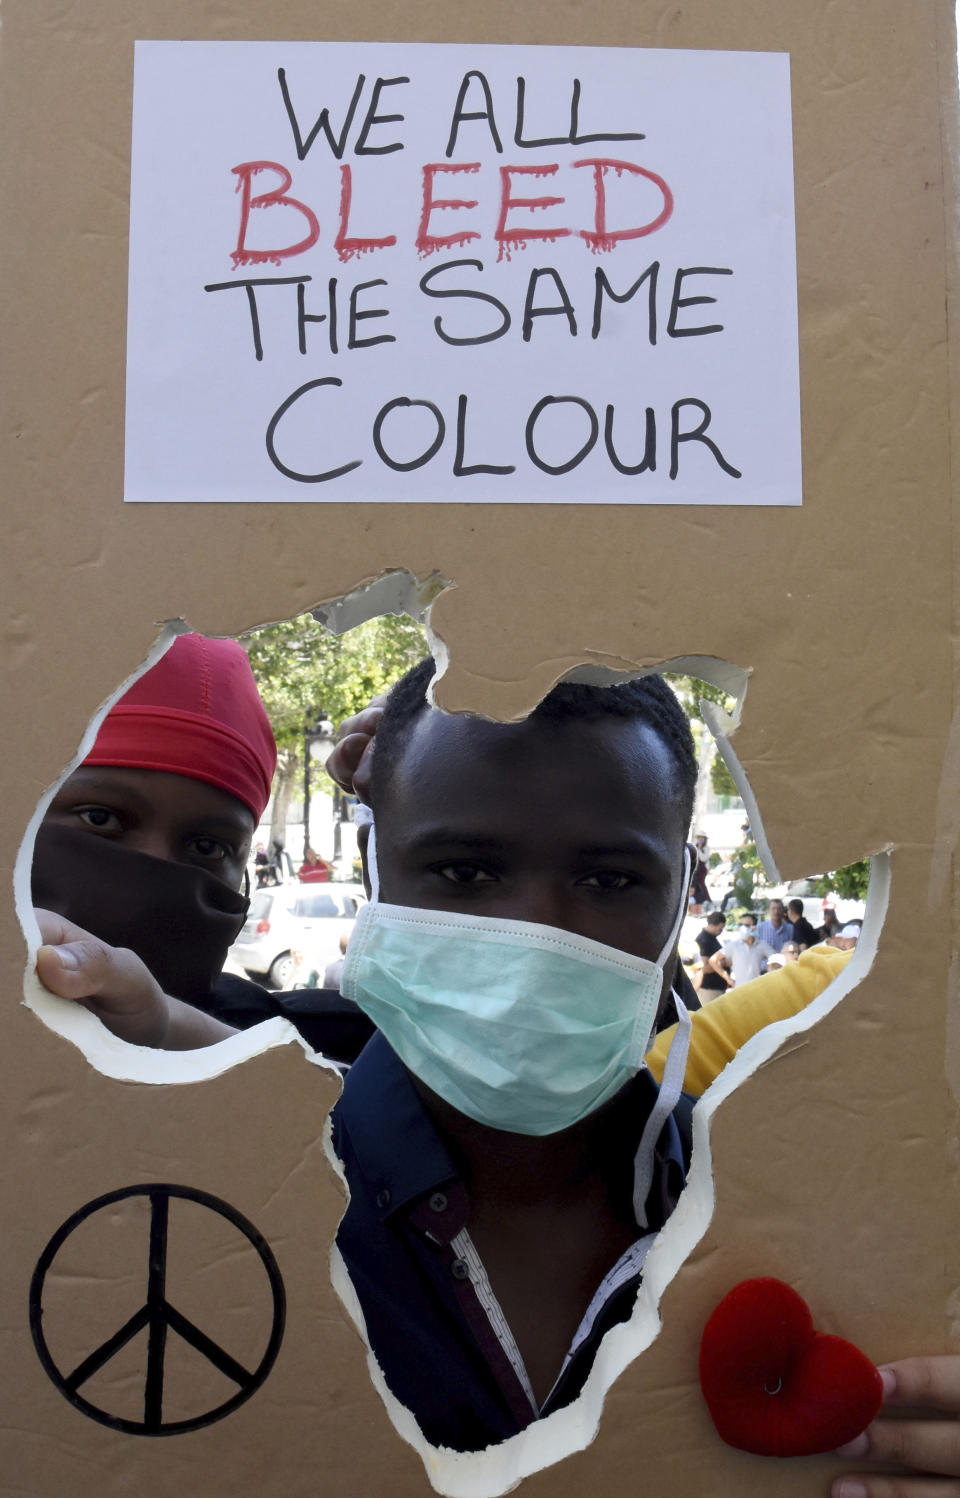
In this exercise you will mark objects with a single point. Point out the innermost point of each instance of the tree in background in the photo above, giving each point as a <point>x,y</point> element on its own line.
<point>692,691</point>
<point>746,870</point>
<point>849,883</point>
<point>720,778</point>
<point>304,673</point>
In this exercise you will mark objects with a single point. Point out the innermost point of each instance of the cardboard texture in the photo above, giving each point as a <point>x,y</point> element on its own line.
<point>835,1165</point>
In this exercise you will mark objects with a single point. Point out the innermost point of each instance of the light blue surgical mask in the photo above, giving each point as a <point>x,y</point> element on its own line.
<point>521,1027</point>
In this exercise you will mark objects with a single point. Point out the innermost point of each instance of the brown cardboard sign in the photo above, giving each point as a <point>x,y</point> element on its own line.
<point>833,1167</point>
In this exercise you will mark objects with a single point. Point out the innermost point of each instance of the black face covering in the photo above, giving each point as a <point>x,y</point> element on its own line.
<point>178,919</point>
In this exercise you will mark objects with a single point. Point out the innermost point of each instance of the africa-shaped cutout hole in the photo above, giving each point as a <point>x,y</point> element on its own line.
<point>533,804</point>
<point>513,831</point>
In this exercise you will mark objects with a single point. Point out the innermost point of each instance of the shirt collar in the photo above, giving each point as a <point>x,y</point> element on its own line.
<point>397,1147</point>
<point>403,1156</point>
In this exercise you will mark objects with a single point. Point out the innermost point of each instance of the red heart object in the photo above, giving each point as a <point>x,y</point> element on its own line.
<point>776,1387</point>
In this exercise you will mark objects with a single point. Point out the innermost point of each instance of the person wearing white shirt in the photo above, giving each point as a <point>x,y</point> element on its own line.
<point>746,956</point>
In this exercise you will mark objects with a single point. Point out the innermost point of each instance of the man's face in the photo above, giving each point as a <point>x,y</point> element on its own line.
<point>575,825</point>
<point>168,816</point>
<point>775,912</point>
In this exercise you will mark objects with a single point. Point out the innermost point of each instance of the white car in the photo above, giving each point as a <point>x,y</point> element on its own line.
<point>292,918</point>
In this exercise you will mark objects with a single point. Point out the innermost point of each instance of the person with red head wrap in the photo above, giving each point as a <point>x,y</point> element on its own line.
<point>196,713</point>
<point>145,845</point>
<point>140,860</point>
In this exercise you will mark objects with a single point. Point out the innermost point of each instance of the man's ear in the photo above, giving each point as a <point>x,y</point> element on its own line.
<point>363,773</point>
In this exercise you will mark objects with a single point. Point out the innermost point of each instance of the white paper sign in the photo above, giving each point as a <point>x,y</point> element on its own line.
<point>449,273</point>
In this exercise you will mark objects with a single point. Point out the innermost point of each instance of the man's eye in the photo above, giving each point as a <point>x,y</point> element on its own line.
<point>608,879</point>
<point>210,848</point>
<point>466,873</point>
<point>100,818</point>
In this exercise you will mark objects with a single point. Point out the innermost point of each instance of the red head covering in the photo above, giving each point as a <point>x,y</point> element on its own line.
<point>198,713</point>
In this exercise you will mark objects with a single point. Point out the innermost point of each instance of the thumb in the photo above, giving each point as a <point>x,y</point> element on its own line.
<point>74,970</point>
<point>112,983</point>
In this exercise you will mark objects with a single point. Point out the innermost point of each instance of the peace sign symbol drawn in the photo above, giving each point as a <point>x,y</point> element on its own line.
<point>157,1316</point>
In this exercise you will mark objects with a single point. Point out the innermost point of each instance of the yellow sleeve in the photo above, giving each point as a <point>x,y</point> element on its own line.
<point>720,1028</point>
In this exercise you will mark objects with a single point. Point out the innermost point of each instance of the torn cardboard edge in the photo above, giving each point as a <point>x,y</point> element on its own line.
<point>394,591</point>
<point>397,591</point>
<point>498,1469</point>
<point>721,726</point>
<point>588,667</point>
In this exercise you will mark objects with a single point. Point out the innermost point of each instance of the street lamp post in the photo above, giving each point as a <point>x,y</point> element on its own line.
<point>318,744</point>
<point>337,823</point>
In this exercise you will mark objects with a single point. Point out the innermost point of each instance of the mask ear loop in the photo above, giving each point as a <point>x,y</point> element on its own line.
<point>673,1073</point>
<point>363,817</point>
<point>670,1089</point>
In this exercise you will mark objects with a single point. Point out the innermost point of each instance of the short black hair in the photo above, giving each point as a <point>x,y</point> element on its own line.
<point>648,699</point>
<point>716,918</point>
<point>796,905</point>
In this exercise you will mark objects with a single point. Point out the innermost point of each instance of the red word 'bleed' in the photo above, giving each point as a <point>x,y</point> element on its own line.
<point>507,234</point>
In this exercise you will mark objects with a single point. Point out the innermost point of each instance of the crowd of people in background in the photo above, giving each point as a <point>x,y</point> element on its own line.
<point>733,955</point>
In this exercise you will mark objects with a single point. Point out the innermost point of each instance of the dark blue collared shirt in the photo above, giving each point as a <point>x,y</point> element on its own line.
<point>425,1323</point>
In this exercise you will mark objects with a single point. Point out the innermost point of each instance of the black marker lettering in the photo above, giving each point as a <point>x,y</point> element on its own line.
<point>576,139</point>
<point>649,459</point>
<point>578,457</point>
<point>402,402</point>
<point>573,136</point>
<point>281,411</point>
<point>358,314</point>
<point>603,288</point>
<point>563,308</point>
<point>543,140</point>
<point>459,114</point>
<point>698,435</point>
<point>426,286</point>
<point>361,148</point>
<point>679,301</point>
<point>329,317</point>
<point>337,143</point>
<point>462,470</point>
<point>249,286</point>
